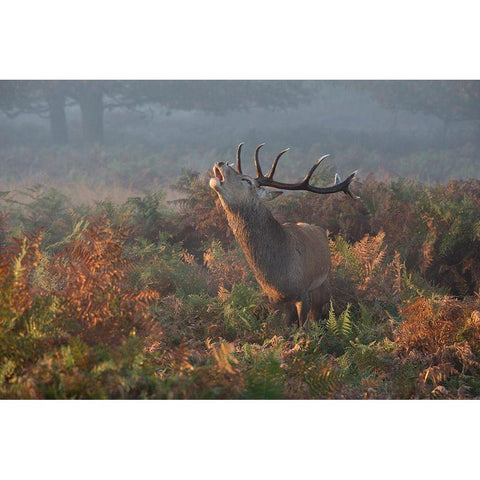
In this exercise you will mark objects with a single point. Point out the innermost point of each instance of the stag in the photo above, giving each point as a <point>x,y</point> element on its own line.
<point>290,261</point>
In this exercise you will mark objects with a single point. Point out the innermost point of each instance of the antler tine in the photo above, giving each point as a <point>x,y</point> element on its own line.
<point>317,163</point>
<point>257,163</point>
<point>347,189</point>
<point>338,185</point>
<point>274,164</point>
<point>239,161</point>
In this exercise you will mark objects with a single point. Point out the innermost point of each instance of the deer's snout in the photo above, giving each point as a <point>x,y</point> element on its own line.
<point>218,171</point>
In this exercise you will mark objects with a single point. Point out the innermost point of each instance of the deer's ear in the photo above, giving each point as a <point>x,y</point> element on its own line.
<point>268,194</point>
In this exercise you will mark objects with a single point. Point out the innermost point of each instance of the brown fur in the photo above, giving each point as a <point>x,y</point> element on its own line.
<point>291,262</point>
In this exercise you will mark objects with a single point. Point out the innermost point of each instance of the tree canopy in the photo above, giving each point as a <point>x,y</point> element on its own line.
<point>49,98</point>
<point>449,100</point>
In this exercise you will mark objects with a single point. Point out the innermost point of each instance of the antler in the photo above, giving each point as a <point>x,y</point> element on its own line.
<point>239,161</point>
<point>257,164</point>
<point>267,181</point>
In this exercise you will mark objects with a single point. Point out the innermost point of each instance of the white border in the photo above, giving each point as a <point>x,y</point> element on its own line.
<point>239,40</point>
<point>251,39</point>
<point>238,439</point>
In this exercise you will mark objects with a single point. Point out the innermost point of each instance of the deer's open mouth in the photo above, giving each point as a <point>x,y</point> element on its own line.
<point>218,174</point>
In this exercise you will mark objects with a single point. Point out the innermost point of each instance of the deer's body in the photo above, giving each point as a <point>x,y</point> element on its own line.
<point>290,261</point>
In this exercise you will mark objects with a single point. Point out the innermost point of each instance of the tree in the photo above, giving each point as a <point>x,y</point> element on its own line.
<point>55,96</point>
<point>90,96</point>
<point>41,97</point>
<point>49,98</point>
<point>448,100</point>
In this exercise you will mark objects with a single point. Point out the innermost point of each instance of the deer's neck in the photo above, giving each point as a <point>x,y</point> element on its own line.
<point>262,238</point>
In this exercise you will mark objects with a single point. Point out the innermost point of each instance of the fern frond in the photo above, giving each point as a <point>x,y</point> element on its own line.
<point>340,326</point>
<point>323,378</point>
<point>332,326</point>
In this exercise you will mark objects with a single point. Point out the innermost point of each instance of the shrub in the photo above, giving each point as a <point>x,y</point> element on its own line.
<point>143,300</point>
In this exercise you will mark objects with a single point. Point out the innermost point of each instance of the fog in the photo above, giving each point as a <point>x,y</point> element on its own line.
<point>144,134</point>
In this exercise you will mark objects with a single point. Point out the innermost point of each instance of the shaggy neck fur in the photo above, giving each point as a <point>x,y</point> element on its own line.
<point>263,240</point>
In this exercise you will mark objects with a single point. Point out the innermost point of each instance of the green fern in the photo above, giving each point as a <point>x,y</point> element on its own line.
<point>39,321</point>
<point>340,326</point>
<point>7,368</point>
<point>323,378</point>
<point>476,231</point>
<point>350,262</point>
<point>79,226</point>
<point>266,378</point>
<point>240,308</point>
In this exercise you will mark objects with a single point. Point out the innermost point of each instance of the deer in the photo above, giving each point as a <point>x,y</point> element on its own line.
<point>290,261</point>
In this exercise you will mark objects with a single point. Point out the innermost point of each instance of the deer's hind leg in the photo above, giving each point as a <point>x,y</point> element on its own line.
<point>320,301</point>
<point>303,307</point>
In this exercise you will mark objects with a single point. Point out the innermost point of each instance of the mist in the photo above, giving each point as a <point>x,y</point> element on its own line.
<point>123,275</point>
<point>141,135</point>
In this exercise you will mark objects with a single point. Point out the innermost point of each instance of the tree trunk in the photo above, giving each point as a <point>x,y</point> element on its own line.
<point>91,105</point>
<point>58,119</point>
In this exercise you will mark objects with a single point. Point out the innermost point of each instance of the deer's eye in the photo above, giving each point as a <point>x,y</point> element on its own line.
<point>246,180</point>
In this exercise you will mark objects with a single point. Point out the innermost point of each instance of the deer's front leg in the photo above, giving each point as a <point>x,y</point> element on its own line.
<point>287,311</point>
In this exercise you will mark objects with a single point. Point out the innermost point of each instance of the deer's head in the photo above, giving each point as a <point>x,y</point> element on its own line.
<point>235,188</point>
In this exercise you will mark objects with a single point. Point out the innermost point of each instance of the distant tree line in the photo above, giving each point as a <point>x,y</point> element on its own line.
<point>49,98</point>
<point>449,100</point>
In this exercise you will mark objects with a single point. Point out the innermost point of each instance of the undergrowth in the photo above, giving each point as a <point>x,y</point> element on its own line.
<point>147,299</point>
